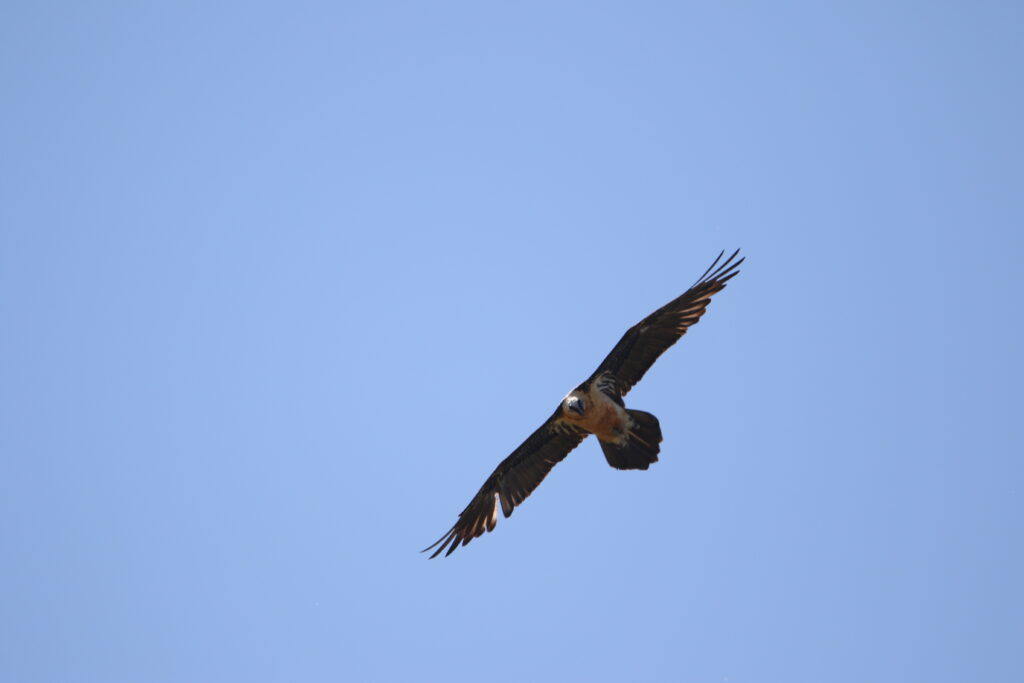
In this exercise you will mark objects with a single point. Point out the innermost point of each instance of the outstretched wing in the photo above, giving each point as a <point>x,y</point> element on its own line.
<point>512,482</point>
<point>648,339</point>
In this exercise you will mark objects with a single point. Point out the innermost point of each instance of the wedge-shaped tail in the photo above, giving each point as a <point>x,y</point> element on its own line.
<point>640,449</point>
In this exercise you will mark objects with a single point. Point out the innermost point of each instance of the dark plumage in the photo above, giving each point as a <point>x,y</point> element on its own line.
<point>629,438</point>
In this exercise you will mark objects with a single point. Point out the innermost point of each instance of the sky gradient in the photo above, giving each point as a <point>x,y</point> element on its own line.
<point>281,284</point>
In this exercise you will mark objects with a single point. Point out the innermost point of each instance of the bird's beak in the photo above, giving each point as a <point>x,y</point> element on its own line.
<point>576,407</point>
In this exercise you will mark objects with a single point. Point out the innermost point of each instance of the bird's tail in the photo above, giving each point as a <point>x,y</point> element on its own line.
<point>640,448</point>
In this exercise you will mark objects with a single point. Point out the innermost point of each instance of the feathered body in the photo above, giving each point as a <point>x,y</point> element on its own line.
<point>630,439</point>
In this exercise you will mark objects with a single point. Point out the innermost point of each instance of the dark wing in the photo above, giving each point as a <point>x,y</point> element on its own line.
<point>648,339</point>
<point>514,479</point>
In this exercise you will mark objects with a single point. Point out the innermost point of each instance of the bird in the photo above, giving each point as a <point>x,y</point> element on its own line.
<point>630,439</point>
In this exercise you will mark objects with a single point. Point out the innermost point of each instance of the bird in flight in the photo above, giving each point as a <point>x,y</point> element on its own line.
<point>629,438</point>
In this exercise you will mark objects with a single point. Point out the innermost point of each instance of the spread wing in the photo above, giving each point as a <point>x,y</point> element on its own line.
<point>514,479</point>
<point>648,339</point>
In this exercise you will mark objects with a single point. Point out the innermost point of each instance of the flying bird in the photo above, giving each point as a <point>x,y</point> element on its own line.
<point>629,438</point>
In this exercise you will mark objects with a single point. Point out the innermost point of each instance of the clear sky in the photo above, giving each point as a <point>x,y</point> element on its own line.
<point>280,284</point>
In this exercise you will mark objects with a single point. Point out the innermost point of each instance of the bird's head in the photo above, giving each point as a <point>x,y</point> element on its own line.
<point>574,403</point>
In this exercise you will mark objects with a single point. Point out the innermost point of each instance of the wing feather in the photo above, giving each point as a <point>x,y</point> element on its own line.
<point>512,482</point>
<point>647,340</point>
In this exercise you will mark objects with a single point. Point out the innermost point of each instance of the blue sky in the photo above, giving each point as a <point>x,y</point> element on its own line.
<point>282,283</point>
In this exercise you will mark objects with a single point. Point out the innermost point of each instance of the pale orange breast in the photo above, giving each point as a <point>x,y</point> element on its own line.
<point>606,419</point>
